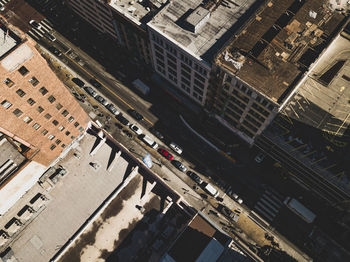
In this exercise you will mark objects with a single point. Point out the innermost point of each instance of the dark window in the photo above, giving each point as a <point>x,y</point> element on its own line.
<point>65,112</point>
<point>44,132</point>
<point>76,124</point>
<point>21,93</point>
<point>31,101</point>
<point>51,99</point>
<point>59,106</point>
<point>23,70</point>
<point>52,147</point>
<point>55,122</point>
<point>40,109</point>
<point>9,82</point>
<point>67,133</point>
<point>58,141</point>
<point>47,116</point>
<point>43,91</point>
<point>17,112</point>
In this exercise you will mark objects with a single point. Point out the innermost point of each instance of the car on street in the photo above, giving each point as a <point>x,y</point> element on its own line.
<point>136,129</point>
<point>90,91</point>
<point>179,165</point>
<point>113,109</point>
<point>176,148</point>
<point>102,100</point>
<point>166,154</point>
<point>195,177</point>
<point>127,133</point>
<point>135,114</point>
<point>156,133</point>
<point>122,119</point>
<point>34,24</point>
<point>55,51</point>
<point>259,158</point>
<point>78,81</point>
<point>95,83</point>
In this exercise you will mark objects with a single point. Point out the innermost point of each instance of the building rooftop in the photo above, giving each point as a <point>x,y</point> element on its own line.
<point>274,49</point>
<point>225,18</point>
<point>137,11</point>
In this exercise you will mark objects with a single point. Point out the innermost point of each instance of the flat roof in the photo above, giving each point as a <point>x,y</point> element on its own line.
<point>136,11</point>
<point>224,19</point>
<point>322,100</point>
<point>279,44</point>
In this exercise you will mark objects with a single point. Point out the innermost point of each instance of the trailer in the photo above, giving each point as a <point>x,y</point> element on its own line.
<point>140,86</point>
<point>299,209</point>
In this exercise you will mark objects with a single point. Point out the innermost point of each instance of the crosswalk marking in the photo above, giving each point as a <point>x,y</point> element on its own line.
<point>269,204</point>
<point>39,33</point>
<point>46,26</point>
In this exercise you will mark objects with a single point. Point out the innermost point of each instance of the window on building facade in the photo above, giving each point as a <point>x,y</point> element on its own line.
<point>23,70</point>
<point>43,91</point>
<point>55,122</point>
<point>27,119</point>
<point>31,101</point>
<point>63,145</point>
<point>51,99</point>
<point>52,147</point>
<point>36,126</point>
<point>47,116</point>
<point>44,132</point>
<point>39,109</point>
<point>59,106</point>
<point>61,128</point>
<point>76,124</point>
<point>67,133</point>
<point>58,141</point>
<point>9,82</point>
<point>51,137</point>
<point>81,129</point>
<point>65,113</point>
<point>34,81</point>
<point>17,112</point>
<point>70,119</point>
<point>21,93</point>
<point>6,104</point>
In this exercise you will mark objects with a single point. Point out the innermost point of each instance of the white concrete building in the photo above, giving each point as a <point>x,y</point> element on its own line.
<point>184,37</point>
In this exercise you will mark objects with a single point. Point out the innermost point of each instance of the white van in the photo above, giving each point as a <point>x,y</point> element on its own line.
<point>149,141</point>
<point>211,190</point>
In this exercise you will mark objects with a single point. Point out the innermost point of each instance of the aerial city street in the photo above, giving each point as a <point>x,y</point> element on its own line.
<point>174,130</point>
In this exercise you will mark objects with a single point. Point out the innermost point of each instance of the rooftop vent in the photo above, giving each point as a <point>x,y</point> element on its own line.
<point>197,19</point>
<point>237,59</point>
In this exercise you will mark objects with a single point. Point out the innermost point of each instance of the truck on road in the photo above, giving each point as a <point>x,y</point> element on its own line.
<point>299,209</point>
<point>211,190</point>
<point>140,86</point>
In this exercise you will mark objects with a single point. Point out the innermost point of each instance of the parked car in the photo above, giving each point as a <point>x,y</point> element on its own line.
<point>95,83</point>
<point>102,100</point>
<point>195,177</point>
<point>179,165</point>
<point>55,51</point>
<point>122,119</point>
<point>136,129</point>
<point>78,82</point>
<point>135,114</point>
<point>50,37</point>
<point>156,133</point>
<point>166,154</point>
<point>259,158</point>
<point>34,24</point>
<point>127,133</point>
<point>90,91</point>
<point>176,148</point>
<point>113,110</point>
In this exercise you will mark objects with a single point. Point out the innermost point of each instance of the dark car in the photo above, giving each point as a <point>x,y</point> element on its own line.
<point>55,51</point>
<point>127,133</point>
<point>179,165</point>
<point>135,114</point>
<point>78,82</point>
<point>195,177</point>
<point>122,119</point>
<point>166,154</point>
<point>156,133</point>
<point>95,83</point>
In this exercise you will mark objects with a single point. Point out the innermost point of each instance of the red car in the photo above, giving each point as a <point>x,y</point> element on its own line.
<point>166,154</point>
